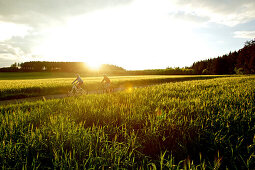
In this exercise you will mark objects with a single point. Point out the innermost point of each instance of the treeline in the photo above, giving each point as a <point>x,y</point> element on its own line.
<point>167,71</point>
<point>80,67</point>
<point>238,62</point>
<point>72,67</point>
<point>111,69</point>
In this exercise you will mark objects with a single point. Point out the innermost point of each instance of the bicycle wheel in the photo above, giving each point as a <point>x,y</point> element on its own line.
<point>111,89</point>
<point>70,93</point>
<point>83,91</point>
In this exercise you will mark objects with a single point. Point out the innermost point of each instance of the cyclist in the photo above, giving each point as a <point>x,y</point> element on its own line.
<point>107,83</point>
<point>79,81</point>
<point>77,89</point>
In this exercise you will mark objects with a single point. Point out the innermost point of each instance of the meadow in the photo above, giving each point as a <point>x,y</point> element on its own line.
<point>199,124</point>
<point>22,85</point>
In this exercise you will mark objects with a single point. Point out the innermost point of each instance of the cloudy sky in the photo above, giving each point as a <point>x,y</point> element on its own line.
<point>134,34</point>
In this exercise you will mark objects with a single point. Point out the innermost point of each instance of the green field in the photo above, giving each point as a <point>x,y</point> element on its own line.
<point>34,75</point>
<point>200,124</point>
<point>22,85</point>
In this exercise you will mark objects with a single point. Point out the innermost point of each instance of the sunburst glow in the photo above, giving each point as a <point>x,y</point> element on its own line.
<point>130,40</point>
<point>93,65</point>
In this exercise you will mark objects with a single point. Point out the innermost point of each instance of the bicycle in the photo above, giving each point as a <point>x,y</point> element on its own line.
<point>106,88</point>
<point>76,91</point>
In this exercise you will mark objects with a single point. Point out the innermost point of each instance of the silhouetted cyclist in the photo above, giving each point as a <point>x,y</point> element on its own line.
<point>78,81</point>
<point>106,82</point>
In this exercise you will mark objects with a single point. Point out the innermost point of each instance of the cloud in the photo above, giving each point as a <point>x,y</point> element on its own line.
<point>9,49</point>
<point>25,24</point>
<point>40,12</point>
<point>9,30</point>
<point>244,34</point>
<point>7,58</point>
<point>190,17</point>
<point>6,61</point>
<point>230,13</point>
<point>142,28</point>
<point>19,48</point>
<point>25,43</point>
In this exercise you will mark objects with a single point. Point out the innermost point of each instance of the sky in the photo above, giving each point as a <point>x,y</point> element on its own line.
<point>133,34</point>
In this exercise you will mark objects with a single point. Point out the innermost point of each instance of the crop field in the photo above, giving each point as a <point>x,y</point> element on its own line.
<point>37,84</point>
<point>33,75</point>
<point>199,124</point>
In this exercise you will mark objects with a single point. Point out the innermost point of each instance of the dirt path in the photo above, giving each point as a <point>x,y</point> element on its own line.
<point>58,96</point>
<point>54,96</point>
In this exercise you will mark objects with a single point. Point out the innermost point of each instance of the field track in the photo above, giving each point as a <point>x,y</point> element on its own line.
<point>92,91</point>
<point>56,96</point>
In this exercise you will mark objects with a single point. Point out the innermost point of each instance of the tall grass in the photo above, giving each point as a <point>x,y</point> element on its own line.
<point>205,124</point>
<point>22,88</point>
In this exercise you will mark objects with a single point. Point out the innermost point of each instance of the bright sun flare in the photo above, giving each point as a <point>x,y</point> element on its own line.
<point>93,65</point>
<point>122,38</point>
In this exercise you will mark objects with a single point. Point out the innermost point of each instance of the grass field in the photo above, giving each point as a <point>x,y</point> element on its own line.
<point>33,75</point>
<point>21,85</point>
<point>202,124</point>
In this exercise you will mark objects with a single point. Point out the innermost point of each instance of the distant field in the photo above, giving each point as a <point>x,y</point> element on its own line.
<point>33,75</point>
<point>20,85</point>
<point>202,124</point>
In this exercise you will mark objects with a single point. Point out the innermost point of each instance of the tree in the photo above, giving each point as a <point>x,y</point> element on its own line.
<point>15,65</point>
<point>249,43</point>
<point>230,63</point>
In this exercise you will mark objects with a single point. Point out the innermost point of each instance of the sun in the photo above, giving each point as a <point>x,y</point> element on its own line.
<point>136,40</point>
<point>93,65</point>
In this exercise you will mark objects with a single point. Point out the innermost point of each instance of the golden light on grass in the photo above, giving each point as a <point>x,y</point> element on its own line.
<point>129,89</point>
<point>119,124</point>
<point>158,112</point>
